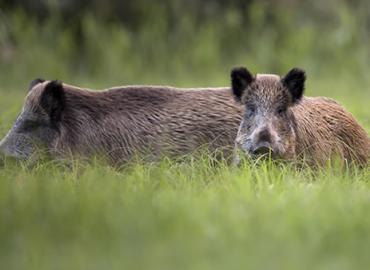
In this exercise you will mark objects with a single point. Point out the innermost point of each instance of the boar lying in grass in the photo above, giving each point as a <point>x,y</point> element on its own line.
<point>280,122</point>
<point>118,123</point>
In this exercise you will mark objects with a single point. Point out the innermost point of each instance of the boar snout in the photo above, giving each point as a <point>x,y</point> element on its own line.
<point>264,142</point>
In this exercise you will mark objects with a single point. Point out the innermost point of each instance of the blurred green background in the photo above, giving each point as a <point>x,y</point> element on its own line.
<point>189,215</point>
<point>174,41</point>
<point>191,43</point>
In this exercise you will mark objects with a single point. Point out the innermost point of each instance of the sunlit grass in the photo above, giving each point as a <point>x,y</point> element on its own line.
<point>183,214</point>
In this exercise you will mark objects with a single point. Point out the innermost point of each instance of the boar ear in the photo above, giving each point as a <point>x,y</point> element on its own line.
<point>34,83</point>
<point>53,100</point>
<point>294,81</point>
<point>240,79</point>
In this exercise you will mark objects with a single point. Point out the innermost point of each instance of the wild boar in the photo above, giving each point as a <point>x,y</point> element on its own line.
<point>121,122</point>
<point>279,121</point>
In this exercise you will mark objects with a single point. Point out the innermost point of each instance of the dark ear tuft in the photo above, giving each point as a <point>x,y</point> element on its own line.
<point>53,100</point>
<point>294,81</point>
<point>34,83</point>
<point>240,79</point>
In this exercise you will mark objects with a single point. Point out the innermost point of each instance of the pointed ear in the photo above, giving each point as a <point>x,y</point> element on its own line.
<point>34,83</point>
<point>53,100</point>
<point>294,82</point>
<point>240,79</point>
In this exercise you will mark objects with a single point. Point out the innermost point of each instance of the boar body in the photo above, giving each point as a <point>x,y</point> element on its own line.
<point>122,122</point>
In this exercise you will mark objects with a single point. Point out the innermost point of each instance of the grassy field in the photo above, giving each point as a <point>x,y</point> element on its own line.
<point>183,216</point>
<point>191,214</point>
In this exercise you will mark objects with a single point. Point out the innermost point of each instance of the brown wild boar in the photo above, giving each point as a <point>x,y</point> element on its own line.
<point>281,122</point>
<point>121,122</point>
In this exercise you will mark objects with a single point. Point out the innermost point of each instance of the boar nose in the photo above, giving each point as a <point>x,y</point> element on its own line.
<point>263,145</point>
<point>264,136</point>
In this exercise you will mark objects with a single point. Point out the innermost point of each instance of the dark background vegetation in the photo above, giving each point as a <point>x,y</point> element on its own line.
<point>182,42</point>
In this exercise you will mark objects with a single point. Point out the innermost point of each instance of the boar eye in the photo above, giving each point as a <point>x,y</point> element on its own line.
<point>281,110</point>
<point>250,110</point>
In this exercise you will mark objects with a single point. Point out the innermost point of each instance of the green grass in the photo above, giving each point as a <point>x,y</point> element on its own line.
<point>183,216</point>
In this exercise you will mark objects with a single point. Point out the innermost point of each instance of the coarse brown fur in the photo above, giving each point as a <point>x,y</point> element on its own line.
<point>325,129</point>
<point>150,120</point>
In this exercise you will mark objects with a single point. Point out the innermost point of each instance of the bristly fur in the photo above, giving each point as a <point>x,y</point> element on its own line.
<point>151,120</point>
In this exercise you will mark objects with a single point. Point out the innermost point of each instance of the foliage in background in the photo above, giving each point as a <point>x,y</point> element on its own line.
<point>177,41</point>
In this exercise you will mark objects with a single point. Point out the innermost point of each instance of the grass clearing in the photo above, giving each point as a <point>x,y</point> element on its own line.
<point>183,215</point>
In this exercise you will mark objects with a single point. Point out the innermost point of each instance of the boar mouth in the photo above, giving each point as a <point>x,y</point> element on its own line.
<point>264,150</point>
